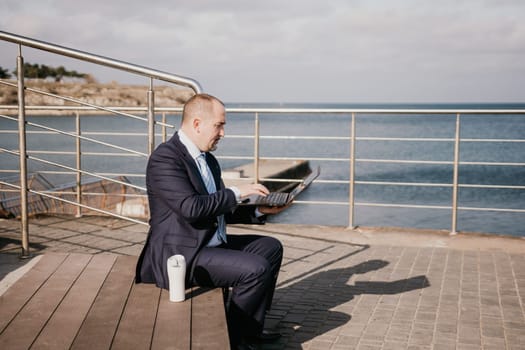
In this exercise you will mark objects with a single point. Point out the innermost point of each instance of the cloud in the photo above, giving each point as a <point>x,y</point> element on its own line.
<point>299,50</point>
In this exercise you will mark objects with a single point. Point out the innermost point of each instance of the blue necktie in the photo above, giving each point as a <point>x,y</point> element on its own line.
<point>207,177</point>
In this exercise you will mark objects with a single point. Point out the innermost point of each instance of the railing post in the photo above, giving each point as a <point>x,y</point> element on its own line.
<point>163,126</point>
<point>79,164</point>
<point>151,118</point>
<point>23,155</point>
<point>256,149</point>
<point>351,198</point>
<point>455,178</point>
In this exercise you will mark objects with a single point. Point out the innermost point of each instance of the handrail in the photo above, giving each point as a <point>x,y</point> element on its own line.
<point>347,138</point>
<point>86,57</point>
<point>267,110</point>
<point>101,60</point>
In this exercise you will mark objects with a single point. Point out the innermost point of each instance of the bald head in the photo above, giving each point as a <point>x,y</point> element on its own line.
<point>200,106</point>
<point>203,120</point>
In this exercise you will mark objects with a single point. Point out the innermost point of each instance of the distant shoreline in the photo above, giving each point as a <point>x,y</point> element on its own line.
<point>106,95</point>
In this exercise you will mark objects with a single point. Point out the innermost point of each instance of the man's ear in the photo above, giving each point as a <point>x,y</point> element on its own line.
<point>196,125</point>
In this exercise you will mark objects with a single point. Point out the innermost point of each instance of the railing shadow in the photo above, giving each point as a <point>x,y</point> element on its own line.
<point>11,266</point>
<point>304,308</point>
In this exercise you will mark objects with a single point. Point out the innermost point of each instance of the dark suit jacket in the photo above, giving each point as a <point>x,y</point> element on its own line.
<point>183,216</point>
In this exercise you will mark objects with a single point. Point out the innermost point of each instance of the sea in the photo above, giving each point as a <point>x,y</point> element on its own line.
<point>375,202</point>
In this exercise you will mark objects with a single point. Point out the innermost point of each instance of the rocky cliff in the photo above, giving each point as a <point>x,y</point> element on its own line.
<point>111,94</point>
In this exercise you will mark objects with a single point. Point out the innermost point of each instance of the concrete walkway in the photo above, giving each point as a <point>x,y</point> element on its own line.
<point>346,289</point>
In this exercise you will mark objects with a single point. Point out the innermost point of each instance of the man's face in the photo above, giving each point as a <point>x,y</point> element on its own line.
<point>211,128</point>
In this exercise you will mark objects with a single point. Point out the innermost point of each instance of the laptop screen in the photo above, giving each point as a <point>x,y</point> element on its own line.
<point>306,182</point>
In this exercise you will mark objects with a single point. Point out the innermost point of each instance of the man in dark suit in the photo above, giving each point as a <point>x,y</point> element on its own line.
<point>189,206</point>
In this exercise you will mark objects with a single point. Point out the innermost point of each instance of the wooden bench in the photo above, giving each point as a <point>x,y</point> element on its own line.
<point>80,301</point>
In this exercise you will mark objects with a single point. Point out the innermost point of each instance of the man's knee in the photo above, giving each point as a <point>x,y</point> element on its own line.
<point>272,245</point>
<point>276,248</point>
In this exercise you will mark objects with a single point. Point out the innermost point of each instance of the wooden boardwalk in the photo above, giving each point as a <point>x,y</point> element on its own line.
<point>81,301</point>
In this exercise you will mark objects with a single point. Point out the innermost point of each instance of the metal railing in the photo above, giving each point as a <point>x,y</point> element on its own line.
<point>352,138</point>
<point>156,129</point>
<point>86,57</point>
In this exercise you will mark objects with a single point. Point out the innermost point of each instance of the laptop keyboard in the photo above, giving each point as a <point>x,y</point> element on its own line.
<point>273,199</point>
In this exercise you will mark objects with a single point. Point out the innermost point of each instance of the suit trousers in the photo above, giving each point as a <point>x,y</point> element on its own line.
<point>249,264</point>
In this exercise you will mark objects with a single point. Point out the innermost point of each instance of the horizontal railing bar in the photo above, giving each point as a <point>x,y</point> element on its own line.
<point>492,163</point>
<point>368,138</point>
<point>375,204</point>
<point>507,210</point>
<point>72,108</point>
<point>106,61</point>
<point>308,111</point>
<point>394,161</point>
<point>321,138</point>
<point>393,205</point>
<point>124,174</point>
<point>309,158</point>
<point>102,133</point>
<point>493,140</point>
<point>452,111</point>
<point>415,184</point>
<point>86,172</point>
<point>56,172</point>
<point>369,160</point>
<point>92,194</point>
<point>411,139</point>
<point>109,154</point>
<point>430,184</point>
<point>402,161</point>
<point>37,132</point>
<point>80,102</point>
<point>77,170</point>
<point>398,205</point>
<point>329,182</point>
<point>84,138</point>
<point>329,138</point>
<point>99,173</point>
<point>90,208</point>
<point>510,187</point>
<point>234,157</point>
<point>320,202</point>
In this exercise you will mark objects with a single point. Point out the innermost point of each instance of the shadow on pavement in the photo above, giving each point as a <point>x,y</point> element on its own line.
<point>304,309</point>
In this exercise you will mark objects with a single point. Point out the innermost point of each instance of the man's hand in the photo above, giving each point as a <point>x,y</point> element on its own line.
<point>272,210</point>
<point>251,189</point>
<point>258,189</point>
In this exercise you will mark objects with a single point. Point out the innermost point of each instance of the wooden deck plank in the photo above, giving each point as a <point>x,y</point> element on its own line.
<point>172,328</point>
<point>101,323</point>
<point>80,301</point>
<point>63,326</point>
<point>26,326</point>
<point>135,329</point>
<point>12,301</point>
<point>208,321</point>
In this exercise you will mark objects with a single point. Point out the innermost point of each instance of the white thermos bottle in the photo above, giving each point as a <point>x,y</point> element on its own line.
<point>176,276</point>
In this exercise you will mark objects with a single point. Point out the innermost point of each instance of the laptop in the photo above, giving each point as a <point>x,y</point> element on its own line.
<point>278,199</point>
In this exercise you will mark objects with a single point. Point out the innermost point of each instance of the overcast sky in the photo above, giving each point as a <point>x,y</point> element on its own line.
<point>346,51</point>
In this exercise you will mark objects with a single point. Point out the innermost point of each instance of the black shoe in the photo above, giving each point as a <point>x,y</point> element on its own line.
<point>265,337</point>
<point>246,346</point>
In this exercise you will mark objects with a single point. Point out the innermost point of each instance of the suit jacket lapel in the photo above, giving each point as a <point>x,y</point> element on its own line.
<point>194,173</point>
